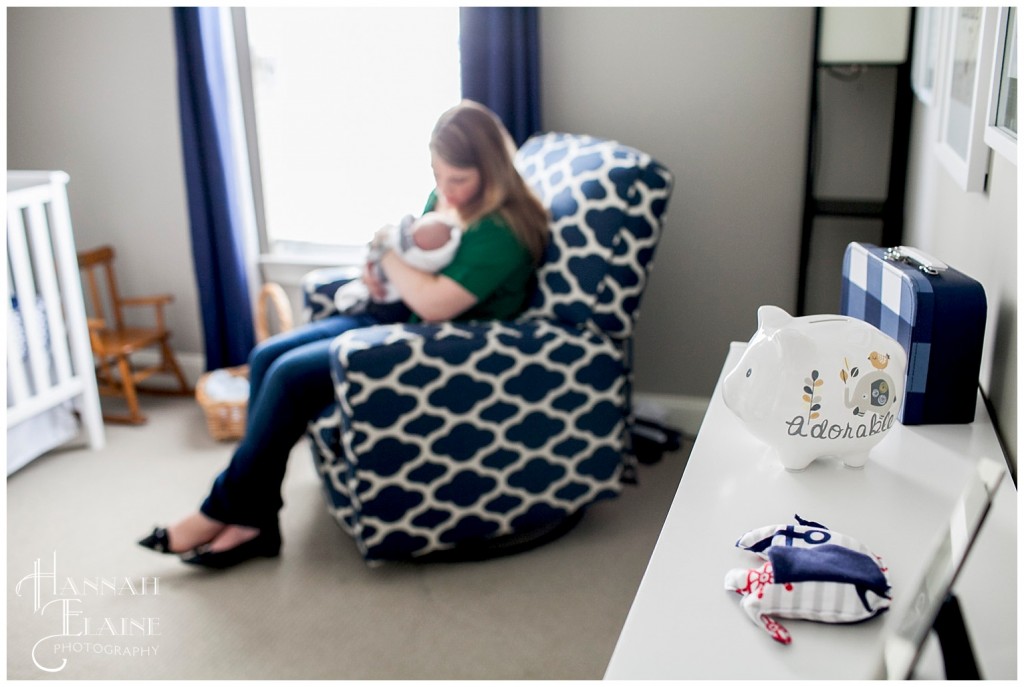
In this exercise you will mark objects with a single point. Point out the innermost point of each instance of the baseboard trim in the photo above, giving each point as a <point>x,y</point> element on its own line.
<point>685,413</point>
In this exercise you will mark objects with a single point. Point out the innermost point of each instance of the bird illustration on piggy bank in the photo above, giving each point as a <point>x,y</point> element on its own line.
<point>817,386</point>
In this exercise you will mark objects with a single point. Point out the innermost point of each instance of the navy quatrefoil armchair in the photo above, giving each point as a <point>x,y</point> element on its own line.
<point>450,436</point>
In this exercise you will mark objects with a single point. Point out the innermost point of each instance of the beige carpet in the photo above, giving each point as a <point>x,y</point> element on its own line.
<point>317,611</point>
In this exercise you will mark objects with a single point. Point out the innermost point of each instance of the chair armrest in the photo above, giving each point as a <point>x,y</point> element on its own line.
<point>157,302</point>
<point>318,289</point>
<point>159,299</point>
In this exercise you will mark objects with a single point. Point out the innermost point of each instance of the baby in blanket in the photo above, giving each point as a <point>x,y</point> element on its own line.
<point>428,243</point>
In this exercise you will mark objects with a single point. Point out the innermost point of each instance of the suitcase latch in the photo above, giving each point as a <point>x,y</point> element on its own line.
<point>915,258</point>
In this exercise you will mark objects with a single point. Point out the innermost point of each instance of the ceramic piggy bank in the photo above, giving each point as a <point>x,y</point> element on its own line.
<point>816,386</point>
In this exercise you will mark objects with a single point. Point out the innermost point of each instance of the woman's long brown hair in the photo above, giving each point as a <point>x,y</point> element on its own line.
<point>470,135</point>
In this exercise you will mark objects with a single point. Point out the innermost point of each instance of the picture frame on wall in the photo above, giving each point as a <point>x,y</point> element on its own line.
<point>927,39</point>
<point>1001,119</point>
<point>963,100</point>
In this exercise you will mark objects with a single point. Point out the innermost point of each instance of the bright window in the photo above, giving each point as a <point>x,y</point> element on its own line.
<point>345,100</point>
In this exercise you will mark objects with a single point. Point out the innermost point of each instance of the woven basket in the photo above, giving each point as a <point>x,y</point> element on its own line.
<point>226,419</point>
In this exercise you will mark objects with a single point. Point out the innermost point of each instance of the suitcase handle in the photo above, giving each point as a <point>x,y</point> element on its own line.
<point>916,258</point>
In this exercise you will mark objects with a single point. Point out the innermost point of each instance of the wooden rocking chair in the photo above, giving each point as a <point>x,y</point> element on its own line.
<point>113,342</point>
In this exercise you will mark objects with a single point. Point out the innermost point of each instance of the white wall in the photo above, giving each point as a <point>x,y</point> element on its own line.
<point>977,234</point>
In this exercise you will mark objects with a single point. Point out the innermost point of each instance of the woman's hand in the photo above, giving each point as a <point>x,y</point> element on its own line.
<point>434,297</point>
<point>381,237</point>
<point>373,284</point>
<point>372,270</point>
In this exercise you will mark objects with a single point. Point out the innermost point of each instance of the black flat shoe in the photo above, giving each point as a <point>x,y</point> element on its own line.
<point>157,541</point>
<point>264,544</point>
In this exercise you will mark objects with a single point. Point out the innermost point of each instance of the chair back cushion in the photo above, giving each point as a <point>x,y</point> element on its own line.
<point>606,202</point>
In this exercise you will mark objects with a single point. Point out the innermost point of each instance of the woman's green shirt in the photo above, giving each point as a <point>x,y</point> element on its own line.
<point>493,265</point>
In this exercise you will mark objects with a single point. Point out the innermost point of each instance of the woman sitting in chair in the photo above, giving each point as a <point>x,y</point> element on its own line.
<point>506,231</point>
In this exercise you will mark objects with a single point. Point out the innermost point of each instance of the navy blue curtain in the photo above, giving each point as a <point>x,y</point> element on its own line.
<point>501,64</point>
<point>217,247</point>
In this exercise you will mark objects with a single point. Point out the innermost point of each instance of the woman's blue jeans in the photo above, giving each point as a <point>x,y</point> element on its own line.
<point>290,384</point>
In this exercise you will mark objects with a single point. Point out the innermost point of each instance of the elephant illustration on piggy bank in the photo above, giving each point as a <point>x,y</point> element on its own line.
<point>817,386</point>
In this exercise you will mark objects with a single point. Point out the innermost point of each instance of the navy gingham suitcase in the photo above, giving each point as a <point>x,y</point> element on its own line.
<point>938,316</point>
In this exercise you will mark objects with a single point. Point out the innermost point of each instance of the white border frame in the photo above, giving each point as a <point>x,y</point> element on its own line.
<point>929,23</point>
<point>996,137</point>
<point>968,171</point>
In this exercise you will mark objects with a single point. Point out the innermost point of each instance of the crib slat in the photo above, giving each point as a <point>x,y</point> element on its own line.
<point>74,309</point>
<point>42,250</point>
<point>24,289</point>
<point>17,382</point>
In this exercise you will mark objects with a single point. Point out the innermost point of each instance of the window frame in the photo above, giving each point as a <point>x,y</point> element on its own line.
<point>286,267</point>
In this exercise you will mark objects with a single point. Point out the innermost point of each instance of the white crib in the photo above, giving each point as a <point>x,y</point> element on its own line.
<point>51,384</point>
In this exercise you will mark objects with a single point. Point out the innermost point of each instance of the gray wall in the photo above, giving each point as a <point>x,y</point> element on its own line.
<point>719,95</point>
<point>92,92</point>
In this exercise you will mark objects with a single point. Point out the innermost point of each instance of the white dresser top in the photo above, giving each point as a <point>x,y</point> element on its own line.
<point>684,625</point>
